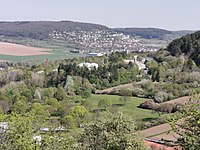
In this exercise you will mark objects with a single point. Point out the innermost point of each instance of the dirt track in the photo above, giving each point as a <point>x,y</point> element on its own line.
<point>159,132</point>
<point>20,50</point>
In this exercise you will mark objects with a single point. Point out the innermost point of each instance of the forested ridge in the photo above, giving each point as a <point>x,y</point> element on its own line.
<point>188,45</point>
<point>41,29</point>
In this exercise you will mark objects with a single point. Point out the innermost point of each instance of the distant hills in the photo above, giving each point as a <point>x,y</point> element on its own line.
<point>42,29</point>
<point>144,32</point>
<point>151,33</point>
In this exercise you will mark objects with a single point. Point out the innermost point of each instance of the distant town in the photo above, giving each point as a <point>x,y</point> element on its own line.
<point>103,41</point>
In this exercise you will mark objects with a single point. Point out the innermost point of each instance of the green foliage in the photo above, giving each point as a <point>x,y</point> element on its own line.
<point>111,133</point>
<point>78,111</point>
<point>56,140</point>
<point>60,94</point>
<point>125,92</point>
<point>52,102</point>
<point>20,106</point>
<point>130,109</point>
<point>22,129</point>
<point>48,93</point>
<point>114,72</point>
<point>20,133</point>
<point>105,103</point>
<point>187,125</point>
<point>28,94</point>
<point>40,111</point>
<point>161,97</point>
<point>69,121</point>
<point>188,45</point>
<point>124,99</point>
<point>87,104</point>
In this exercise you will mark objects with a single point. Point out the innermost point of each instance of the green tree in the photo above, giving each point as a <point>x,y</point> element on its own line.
<point>53,102</point>
<point>52,105</point>
<point>57,140</point>
<point>124,99</point>
<point>114,132</point>
<point>20,132</point>
<point>20,106</point>
<point>28,94</point>
<point>105,103</point>
<point>48,93</point>
<point>60,94</point>
<point>126,95</point>
<point>40,111</point>
<point>78,112</point>
<point>69,121</point>
<point>189,126</point>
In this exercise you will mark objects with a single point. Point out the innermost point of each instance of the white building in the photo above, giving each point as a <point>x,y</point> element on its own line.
<point>95,54</point>
<point>89,65</point>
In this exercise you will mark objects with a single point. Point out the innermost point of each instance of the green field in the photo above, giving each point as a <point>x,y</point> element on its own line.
<point>130,109</point>
<point>55,55</point>
<point>60,50</point>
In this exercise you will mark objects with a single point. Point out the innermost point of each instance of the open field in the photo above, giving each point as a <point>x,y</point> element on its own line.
<point>130,109</point>
<point>20,50</point>
<point>55,55</point>
<point>17,53</point>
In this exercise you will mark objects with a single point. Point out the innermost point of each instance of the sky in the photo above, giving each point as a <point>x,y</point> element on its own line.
<point>166,14</point>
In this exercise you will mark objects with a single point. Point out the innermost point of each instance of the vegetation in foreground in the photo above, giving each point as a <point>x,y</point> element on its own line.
<point>187,125</point>
<point>23,132</point>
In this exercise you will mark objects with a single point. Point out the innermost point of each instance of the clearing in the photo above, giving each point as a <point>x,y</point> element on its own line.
<point>130,108</point>
<point>20,50</point>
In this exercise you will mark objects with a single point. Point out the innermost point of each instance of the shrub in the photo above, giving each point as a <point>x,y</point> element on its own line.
<point>161,97</point>
<point>139,92</point>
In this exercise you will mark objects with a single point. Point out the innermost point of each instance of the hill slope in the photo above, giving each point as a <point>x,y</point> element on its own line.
<point>188,45</point>
<point>144,32</point>
<point>42,29</point>
<point>152,33</point>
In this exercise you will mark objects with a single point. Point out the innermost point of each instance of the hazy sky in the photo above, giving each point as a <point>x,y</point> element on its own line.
<point>168,14</point>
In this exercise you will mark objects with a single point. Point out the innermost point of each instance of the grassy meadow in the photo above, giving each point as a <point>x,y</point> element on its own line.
<point>55,55</point>
<point>130,108</point>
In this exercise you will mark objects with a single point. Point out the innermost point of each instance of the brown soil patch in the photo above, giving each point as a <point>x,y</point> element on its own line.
<point>159,133</point>
<point>20,50</point>
<point>156,130</point>
<point>117,88</point>
<point>181,100</point>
